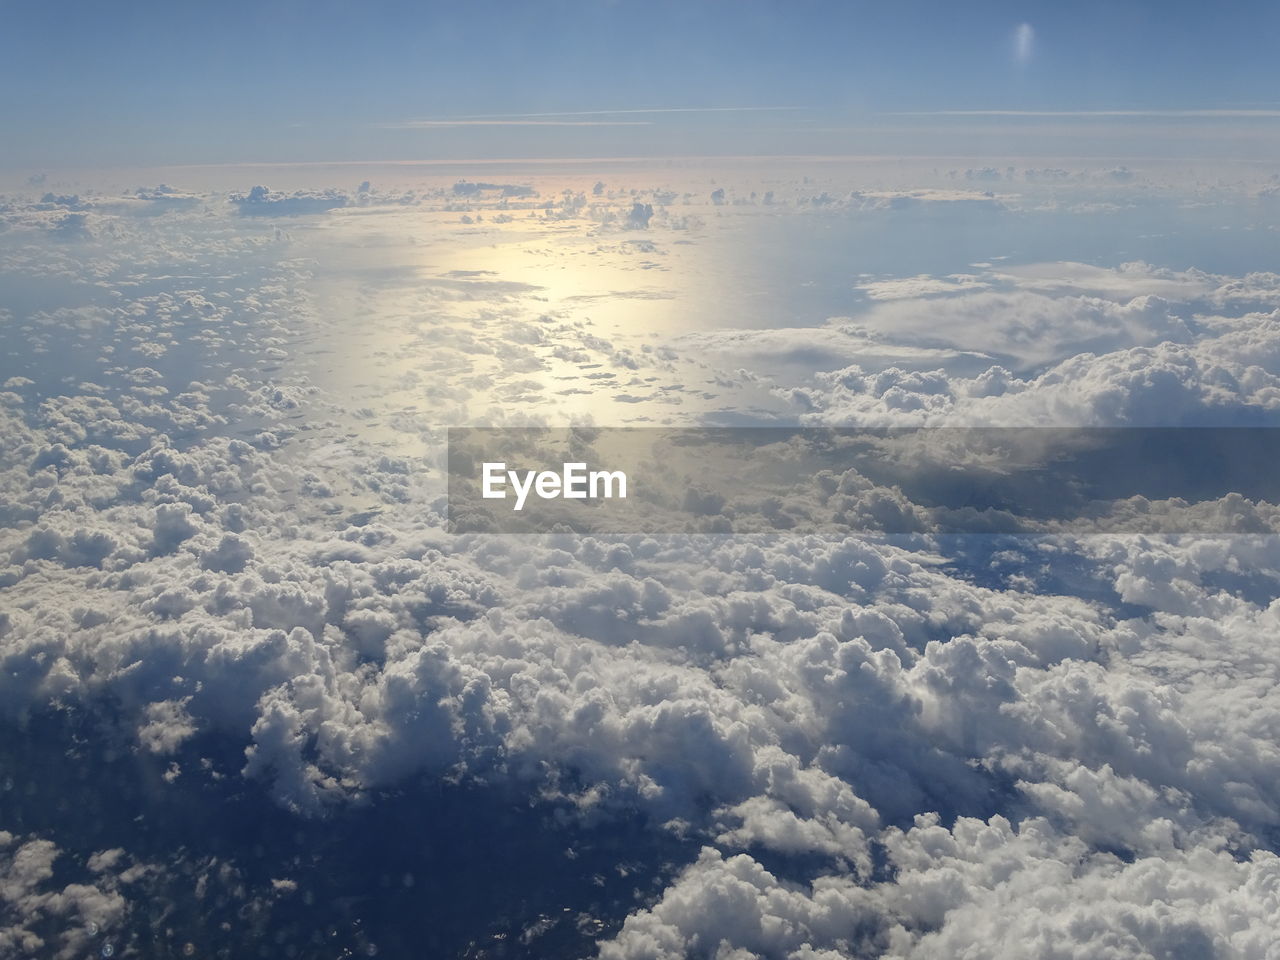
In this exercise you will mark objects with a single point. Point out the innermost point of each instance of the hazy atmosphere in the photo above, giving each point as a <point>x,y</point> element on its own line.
<point>260,698</point>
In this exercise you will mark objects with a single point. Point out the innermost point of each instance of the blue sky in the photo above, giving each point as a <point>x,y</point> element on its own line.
<point>88,83</point>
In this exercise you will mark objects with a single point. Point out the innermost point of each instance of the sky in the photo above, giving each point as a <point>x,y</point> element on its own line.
<point>148,83</point>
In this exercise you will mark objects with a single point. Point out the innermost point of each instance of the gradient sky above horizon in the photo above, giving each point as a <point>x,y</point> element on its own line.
<point>87,84</point>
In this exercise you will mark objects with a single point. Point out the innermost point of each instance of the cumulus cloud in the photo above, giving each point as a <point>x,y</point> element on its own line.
<point>899,747</point>
<point>911,288</point>
<point>260,201</point>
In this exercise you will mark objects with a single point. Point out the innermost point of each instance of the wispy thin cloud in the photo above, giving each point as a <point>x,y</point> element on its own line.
<point>657,110</point>
<point>571,118</point>
<point>496,122</point>
<point>1024,39</point>
<point>1086,114</point>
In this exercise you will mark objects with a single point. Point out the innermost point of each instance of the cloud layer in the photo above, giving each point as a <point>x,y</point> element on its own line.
<point>224,557</point>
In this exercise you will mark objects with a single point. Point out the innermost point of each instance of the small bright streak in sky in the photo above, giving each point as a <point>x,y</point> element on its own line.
<point>1023,40</point>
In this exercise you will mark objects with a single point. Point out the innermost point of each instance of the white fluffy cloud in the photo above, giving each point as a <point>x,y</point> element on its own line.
<point>40,916</point>
<point>903,748</point>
